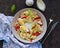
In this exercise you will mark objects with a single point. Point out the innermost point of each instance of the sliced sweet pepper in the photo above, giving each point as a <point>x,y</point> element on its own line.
<point>17,27</point>
<point>36,33</point>
<point>23,16</point>
<point>36,18</point>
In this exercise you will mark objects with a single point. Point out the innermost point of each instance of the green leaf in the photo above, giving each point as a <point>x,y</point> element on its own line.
<point>13,8</point>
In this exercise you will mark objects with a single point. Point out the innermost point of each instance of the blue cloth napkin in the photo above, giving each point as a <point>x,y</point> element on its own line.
<point>9,40</point>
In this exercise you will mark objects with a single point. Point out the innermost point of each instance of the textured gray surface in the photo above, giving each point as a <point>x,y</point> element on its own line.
<point>53,41</point>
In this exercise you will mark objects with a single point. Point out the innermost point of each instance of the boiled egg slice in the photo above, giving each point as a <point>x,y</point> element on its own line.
<point>28,26</point>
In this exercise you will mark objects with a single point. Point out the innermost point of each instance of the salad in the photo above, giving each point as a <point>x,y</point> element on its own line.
<point>29,25</point>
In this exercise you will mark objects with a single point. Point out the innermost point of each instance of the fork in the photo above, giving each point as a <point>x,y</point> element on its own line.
<point>51,19</point>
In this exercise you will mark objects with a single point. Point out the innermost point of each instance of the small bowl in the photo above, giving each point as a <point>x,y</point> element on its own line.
<point>38,37</point>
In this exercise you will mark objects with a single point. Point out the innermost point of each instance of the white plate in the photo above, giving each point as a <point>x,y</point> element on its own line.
<point>44,26</point>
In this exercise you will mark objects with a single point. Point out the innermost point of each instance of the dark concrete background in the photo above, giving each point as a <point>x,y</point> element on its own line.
<point>52,8</point>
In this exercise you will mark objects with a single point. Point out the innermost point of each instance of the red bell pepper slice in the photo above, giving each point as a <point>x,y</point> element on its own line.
<point>36,18</point>
<point>37,33</point>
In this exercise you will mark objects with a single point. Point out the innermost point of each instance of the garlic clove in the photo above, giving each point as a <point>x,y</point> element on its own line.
<point>29,2</point>
<point>41,5</point>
